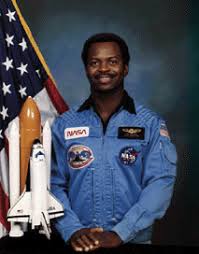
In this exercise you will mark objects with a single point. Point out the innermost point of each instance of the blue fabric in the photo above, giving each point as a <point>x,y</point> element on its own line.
<point>103,190</point>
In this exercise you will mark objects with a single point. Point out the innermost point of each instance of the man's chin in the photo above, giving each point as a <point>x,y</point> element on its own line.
<point>104,89</point>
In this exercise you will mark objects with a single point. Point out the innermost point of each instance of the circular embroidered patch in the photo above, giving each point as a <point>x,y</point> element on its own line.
<point>79,156</point>
<point>128,155</point>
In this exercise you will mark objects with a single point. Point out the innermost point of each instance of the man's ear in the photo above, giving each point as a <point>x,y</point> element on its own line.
<point>126,70</point>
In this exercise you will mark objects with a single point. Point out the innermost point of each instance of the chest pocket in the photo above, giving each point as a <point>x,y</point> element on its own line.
<point>131,151</point>
<point>130,141</point>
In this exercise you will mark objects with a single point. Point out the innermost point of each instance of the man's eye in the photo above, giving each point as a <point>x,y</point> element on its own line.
<point>113,61</point>
<point>93,63</point>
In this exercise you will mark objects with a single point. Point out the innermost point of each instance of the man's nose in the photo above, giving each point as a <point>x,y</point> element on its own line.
<point>103,66</point>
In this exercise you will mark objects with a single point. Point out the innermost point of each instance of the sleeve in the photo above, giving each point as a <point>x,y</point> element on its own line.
<point>158,181</point>
<point>69,222</point>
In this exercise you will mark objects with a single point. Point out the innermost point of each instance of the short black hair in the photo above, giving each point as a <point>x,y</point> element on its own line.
<point>106,37</point>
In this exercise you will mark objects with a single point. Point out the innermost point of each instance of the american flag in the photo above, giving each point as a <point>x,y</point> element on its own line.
<point>23,73</point>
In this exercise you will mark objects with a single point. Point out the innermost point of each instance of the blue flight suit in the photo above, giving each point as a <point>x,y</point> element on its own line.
<point>119,176</point>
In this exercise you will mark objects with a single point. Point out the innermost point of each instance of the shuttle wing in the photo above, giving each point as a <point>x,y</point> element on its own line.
<point>21,211</point>
<point>55,208</point>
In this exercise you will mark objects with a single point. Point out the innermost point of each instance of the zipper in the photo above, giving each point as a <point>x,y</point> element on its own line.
<point>93,172</point>
<point>102,168</point>
<point>102,163</point>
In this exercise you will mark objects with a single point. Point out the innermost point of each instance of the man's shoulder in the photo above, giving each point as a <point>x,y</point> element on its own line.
<point>72,112</point>
<point>147,115</point>
<point>69,118</point>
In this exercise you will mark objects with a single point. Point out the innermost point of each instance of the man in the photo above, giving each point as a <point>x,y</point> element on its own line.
<point>115,163</point>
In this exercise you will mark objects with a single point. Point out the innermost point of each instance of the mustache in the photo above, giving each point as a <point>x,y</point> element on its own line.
<point>102,75</point>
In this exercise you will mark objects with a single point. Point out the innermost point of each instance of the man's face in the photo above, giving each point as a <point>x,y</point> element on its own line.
<point>105,66</point>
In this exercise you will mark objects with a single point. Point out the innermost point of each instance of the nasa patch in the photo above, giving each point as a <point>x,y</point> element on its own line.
<point>128,155</point>
<point>79,156</point>
<point>76,132</point>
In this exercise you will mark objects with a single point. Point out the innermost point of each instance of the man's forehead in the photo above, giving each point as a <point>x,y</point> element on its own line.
<point>104,49</point>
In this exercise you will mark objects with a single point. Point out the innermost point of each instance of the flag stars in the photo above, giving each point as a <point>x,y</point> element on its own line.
<point>1,134</point>
<point>6,88</point>
<point>38,73</point>
<point>9,40</point>
<point>8,63</point>
<point>23,45</point>
<point>23,69</point>
<point>11,15</point>
<point>22,91</point>
<point>4,112</point>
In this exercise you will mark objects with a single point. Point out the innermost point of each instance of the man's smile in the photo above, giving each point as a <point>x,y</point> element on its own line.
<point>104,78</point>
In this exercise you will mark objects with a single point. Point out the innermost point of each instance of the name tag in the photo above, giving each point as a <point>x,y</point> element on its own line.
<point>76,132</point>
<point>131,132</point>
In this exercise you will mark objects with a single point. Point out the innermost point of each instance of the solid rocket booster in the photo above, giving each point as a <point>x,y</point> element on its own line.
<point>30,122</point>
<point>47,140</point>
<point>14,174</point>
<point>14,163</point>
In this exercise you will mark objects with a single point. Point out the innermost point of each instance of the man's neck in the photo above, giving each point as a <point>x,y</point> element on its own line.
<point>107,103</point>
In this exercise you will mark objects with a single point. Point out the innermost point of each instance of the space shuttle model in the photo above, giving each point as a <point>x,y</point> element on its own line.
<point>29,173</point>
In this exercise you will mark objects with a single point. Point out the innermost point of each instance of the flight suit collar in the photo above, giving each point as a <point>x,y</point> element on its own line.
<point>127,104</point>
